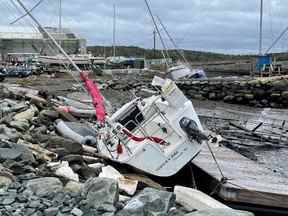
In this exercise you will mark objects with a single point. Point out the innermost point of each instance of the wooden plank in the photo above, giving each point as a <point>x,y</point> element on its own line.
<point>249,182</point>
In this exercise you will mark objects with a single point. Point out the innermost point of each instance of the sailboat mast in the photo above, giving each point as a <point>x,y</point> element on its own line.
<point>114,30</point>
<point>154,44</point>
<point>173,41</point>
<point>158,32</point>
<point>60,16</point>
<point>261,28</point>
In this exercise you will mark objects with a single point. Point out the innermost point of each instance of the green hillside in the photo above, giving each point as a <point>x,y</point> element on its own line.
<point>132,51</point>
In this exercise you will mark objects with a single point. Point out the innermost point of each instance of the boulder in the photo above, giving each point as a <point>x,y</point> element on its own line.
<point>276,95</point>
<point>49,114</point>
<point>229,98</point>
<point>62,169</point>
<point>220,212</point>
<point>58,142</point>
<point>212,96</point>
<point>5,181</point>
<point>8,133</point>
<point>73,187</point>
<point>192,199</point>
<point>249,96</point>
<point>280,85</point>
<point>44,186</point>
<point>12,151</point>
<point>132,212</point>
<point>20,125</point>
<point>100,194</point>
<point>285,94</point>
<point>26,115</point>
<point>154,202</point>
<point>125,184</point>
<point>76,212</point>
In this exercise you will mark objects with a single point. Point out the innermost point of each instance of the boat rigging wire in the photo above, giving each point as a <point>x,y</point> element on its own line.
<point>172,41</point>
<point>24,15</point>
<point>165,54</point>
<point>277,40</point>
<point>50,45</point>
<point>43,30</point>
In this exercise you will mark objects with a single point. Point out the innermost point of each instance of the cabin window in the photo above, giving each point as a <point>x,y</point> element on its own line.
<point>132,118</point>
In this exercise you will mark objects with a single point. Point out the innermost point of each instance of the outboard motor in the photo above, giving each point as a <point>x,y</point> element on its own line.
<point>192,130</point>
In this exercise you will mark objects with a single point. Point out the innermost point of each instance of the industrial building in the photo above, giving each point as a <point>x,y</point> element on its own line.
<point>17,43</point>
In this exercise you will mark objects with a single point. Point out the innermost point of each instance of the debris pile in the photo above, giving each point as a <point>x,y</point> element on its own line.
<point>248,131</point>
<point>44,173</point>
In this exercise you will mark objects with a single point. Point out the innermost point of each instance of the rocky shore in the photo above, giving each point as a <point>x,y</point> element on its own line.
<point>44,174</point>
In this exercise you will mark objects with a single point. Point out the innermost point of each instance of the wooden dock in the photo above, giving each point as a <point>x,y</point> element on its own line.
<point>248,182</point>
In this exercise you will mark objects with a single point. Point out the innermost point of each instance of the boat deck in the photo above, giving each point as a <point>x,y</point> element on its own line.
<point>249,182</point>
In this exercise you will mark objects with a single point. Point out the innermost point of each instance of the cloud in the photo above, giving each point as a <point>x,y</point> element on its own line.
<point>209,25</point>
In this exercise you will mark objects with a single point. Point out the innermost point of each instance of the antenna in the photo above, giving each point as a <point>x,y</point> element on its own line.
<point>261,28</point>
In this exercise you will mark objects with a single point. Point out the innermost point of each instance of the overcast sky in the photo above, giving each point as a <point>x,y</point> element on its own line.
<point>229,26</point>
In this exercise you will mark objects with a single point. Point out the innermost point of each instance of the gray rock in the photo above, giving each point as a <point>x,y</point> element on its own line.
<point>280,84</point>
<point>77,212</point>
<point>154,202</point>
<point>20,125</point>
<point>131,212</point>
<point>12,151</point>
<point>53,115</point>
<point>8,200</point>
<point>8,133</point>
<point>249,96</point>
<point>44,186</point>
<point>101,194</point>
<point>73,187</point>
<point>51,211</point>
<point>229,98</point>
<point>38,213</point>
<point>285,94</point>
<point>5,182</point>
<point>212,96</point>
<point>22,198</point>
<point>30,211</point>
<point>220,212</point>
<point>35,204</point>
<point>70,146</point>
<point>66,209</point>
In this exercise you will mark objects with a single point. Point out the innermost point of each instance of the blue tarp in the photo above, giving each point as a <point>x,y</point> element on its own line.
<point>263,60</point>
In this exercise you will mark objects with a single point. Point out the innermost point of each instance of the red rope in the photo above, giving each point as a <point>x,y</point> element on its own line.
<point>141,139</point>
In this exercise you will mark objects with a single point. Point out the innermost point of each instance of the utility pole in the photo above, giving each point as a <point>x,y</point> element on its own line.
<point>114,31</point>
<point>154,44</point>
<point>261,29</point>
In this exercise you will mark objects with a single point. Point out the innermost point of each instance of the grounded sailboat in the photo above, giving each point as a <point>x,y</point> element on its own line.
<point>180,69</point>
<point>158,135</point>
